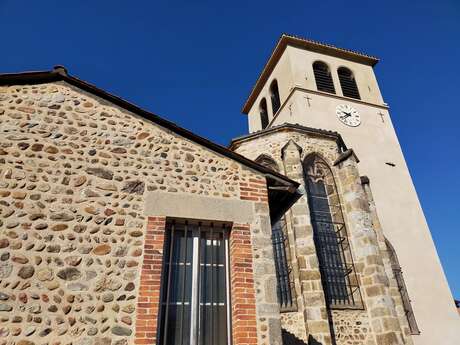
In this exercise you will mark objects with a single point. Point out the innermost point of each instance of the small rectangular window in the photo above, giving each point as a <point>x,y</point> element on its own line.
<point>195,292</point>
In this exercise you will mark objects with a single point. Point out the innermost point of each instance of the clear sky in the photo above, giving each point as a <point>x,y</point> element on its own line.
<point>194,62</point>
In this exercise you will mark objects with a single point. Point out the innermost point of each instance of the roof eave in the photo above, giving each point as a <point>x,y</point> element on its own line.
<point>59,73</point>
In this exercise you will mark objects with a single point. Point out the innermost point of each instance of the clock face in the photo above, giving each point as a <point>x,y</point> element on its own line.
<point>348,115</point>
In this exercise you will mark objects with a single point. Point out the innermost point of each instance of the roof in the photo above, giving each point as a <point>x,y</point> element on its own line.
<point>282,190</point>
<point>295,41</point>
<point>289,127</point>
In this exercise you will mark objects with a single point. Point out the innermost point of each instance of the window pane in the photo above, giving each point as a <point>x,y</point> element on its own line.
<point>177,299</point>
<point>331,240</point>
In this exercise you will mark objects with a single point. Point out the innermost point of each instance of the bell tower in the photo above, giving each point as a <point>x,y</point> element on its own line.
<point>323,87</point>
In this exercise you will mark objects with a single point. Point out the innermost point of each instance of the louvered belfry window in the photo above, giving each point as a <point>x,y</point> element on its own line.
<point>194,298</point>
<point>263,113</point>
<point>275,96</point>
<point>348,83</point>
<point>323,77</point>
<point>397,271</point>
<point>330,236</point>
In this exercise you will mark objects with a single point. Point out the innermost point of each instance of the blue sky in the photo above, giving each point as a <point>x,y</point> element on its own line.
<point>194,63</point>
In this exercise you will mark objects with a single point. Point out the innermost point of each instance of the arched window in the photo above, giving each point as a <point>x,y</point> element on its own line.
<point>263,113</point>
<point>330,235</point>
<point>348,83</point>
<point>402,288</point>
<point>275,96</point>
<point>323,77</point>
<point>284,286</point>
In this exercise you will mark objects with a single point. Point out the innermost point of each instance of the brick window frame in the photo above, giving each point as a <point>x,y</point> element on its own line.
<point>242,289</point>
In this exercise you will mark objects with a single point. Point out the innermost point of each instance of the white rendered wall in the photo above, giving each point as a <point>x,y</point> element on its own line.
<point>375,144</point>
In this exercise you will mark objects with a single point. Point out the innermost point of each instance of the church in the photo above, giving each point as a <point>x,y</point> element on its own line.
<point>119,227</point>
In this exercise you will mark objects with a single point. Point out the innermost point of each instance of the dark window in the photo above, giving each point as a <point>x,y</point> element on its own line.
<point>275,96</point>
<point>284,286</point>
<point>330,236</point>
<point>348,83</point>
<point>397,272</point>
<point>263,113</point>
<point>323,77</point>
<point>194,307</point>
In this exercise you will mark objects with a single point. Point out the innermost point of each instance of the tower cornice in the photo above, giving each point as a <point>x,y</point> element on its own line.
<point>311,45</point>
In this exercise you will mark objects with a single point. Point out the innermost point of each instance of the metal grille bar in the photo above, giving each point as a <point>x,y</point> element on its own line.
<point>194,307</point>
<point>283,272</point>
<point>332,246</point>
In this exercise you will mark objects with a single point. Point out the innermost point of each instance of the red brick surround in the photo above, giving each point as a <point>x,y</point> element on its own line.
<point>149,291</point>
<point>244,329</point>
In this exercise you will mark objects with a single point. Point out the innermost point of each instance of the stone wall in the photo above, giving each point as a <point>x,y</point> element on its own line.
<point>352,327</point>
<point>377,322</point>
<point>74,171</point>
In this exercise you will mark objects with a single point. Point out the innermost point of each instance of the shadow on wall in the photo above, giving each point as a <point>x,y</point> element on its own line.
<point>291,339</point>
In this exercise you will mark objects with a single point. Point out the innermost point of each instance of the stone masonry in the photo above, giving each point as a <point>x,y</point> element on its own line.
<point>378,320</point>
<point>79,259</point>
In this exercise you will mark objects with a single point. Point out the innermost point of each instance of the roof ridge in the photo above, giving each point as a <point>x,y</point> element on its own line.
<point>60,73</point>
<point>328,45</point>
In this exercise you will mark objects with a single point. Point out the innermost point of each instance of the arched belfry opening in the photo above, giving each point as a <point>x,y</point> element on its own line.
<point>263,113</point>
<point>275,97</point>
<point>348,83</point>
<point>330,235</point>
<point>323,77</point>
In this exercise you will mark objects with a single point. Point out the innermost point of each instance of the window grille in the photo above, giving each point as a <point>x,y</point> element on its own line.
<point>348,83</point>
<point>330,237</point>
<point>195,299</point>
<point>263,113</point>
<point>275,97</point>
<point>284,286</point>
<point>402,289</point>
<point>323,77</point>
<point>283,271</point>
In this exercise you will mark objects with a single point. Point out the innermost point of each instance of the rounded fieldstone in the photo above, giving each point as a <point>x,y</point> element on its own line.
<point>102,341</point>
<point>69,273</point>
<point>73,260</point>
<point>100,172</point>
<point>77,287</point>
<point>59,227</point>
<point>5,307</point>
<point>45,274</point>
<point>20,259</point>
<point>107,297</point>
<point>4,243</point>
<point>45,332</point>
<point>119,330</point>
<point>26,272</point>
<point>41,226</point>
<point>102,249</point>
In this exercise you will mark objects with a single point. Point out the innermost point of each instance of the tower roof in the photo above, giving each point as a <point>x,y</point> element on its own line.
<point>311,45</point>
